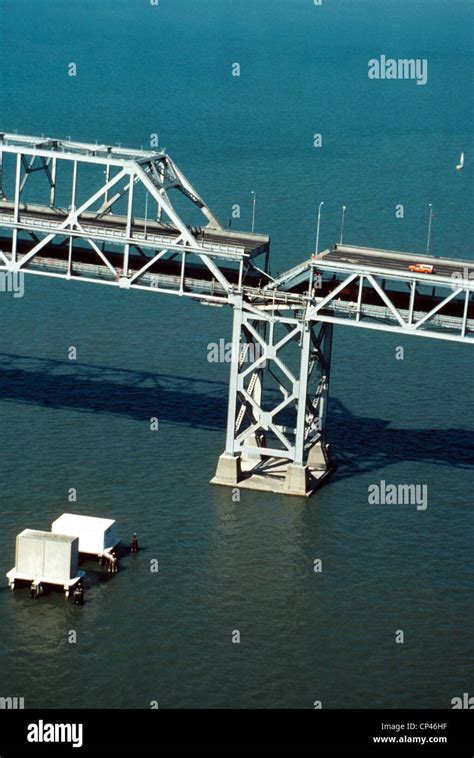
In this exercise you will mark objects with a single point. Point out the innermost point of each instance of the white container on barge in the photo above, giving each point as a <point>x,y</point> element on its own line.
<point>96,535</point>
<point>45,558</point>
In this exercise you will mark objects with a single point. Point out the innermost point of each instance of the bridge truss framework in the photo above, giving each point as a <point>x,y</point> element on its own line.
<point>282,327</point>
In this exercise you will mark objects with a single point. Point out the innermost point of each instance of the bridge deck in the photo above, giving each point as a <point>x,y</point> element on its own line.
<point>350,257</point>
<point>111,226</point>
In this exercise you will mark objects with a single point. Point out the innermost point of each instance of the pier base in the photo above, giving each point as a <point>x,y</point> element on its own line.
<point>296,480</point>
<point>228,470</point>
<point>270,475</point>
<point>319,456</point>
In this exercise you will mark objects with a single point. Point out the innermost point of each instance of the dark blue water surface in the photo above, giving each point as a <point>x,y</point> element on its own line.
<point>248,565</point>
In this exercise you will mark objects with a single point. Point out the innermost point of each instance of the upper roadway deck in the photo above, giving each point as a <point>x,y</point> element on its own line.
<point>113,226</point>
<point>350,257</point>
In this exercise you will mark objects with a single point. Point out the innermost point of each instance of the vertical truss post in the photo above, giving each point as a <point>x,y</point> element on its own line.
<point>234,372</point>
<point>16,211</point>
<point>465,312</point>
<point>73,208</point>
<point>412,302</point>
<point>126,251</point>
<point>327,352</point>
<point>161,178</point>
<point>182,274</point>
<point>107,177</point>
<point>228,468</point>
<point>359,298</point>
<point>302,393</point>
<point>317,447</point>
<point>2,195</point>
<point>52,193</point>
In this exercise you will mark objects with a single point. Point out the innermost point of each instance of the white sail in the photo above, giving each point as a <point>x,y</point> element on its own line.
<point>461,162</point>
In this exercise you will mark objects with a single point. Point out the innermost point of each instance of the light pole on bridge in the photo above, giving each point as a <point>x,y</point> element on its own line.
<point>428,240</point>
<point>342,223</point>
<point>317,228</point>
<point>254,206</point>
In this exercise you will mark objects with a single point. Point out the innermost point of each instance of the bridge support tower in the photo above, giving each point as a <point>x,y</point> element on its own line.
<point>278,395</point>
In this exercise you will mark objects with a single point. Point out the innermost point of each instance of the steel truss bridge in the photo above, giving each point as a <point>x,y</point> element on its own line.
<point>115,216</point>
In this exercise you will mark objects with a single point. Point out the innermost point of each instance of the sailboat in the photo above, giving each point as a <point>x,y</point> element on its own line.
<point>461,163</point>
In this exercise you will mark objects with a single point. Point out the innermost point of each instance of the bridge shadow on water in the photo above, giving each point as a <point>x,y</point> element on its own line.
<point>365,443</point>
<point>359,443</point>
